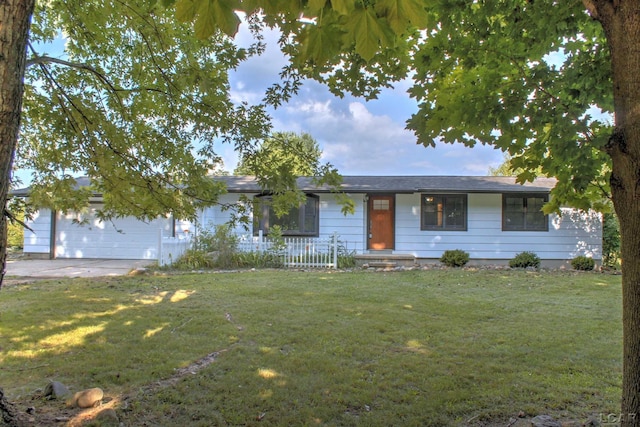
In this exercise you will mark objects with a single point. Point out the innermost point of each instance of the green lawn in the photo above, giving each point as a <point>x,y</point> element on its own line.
<point>416,348</point>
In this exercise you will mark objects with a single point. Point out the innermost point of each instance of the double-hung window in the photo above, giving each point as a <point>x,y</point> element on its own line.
<point>523,212</point>
<point>444,212</point>
<point>300,221</point>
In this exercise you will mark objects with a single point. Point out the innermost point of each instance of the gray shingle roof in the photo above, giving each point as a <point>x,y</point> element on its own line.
<point>406,184</point>
<point>388,184</point>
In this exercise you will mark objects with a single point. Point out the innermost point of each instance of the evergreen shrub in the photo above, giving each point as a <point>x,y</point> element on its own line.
<point>454,258</point>
<point>583,263</point>
<point>525,260</point>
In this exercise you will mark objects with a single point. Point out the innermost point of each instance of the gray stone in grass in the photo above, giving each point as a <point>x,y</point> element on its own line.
<point>544,421</point>
<point>56,390</point>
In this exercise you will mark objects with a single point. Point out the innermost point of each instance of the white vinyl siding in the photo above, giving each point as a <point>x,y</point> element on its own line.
<point>38,241</point>
<point>572,234</point>
<point>350,228</point>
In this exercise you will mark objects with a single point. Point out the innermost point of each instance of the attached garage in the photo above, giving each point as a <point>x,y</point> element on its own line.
<point>83,235</point>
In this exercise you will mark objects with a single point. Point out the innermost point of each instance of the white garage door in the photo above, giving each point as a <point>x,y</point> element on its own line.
<point>82,235</point>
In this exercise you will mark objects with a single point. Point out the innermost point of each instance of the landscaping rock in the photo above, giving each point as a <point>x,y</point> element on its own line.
<point>88,398</point>
<point>544,421</point>
<point>56,390</point>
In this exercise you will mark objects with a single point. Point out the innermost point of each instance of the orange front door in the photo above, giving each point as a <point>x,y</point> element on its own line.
<point>381,209</point>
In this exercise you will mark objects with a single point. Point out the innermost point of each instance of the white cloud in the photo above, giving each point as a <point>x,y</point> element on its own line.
<point>360,142</point>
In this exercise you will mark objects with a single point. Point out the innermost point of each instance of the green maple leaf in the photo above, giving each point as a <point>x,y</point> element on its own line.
<point>368,33</point>
<point>214,14</point>
<point>401,13</point>
<point>321,43</point>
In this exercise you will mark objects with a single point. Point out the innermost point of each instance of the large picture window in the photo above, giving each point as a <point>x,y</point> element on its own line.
<point>444,212</point>
<point>300,221</point>
<point>523,212</point>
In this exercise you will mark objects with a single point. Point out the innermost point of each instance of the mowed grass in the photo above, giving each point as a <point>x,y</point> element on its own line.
<point>418,348</point>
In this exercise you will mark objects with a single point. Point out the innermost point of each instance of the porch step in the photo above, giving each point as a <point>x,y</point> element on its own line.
<point>383,264</point>
<point>385,260</point>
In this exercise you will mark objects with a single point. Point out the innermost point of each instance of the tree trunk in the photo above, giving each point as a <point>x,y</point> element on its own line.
<point>15,19</point>
<point>626,197</point>
<point>621,22</point>
<point>630,311</point>
<point>15,16</point>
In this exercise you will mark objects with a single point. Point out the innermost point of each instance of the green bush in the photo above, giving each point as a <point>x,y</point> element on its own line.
<point>193,259</point>
<point>525,260</point>
<point>454,258</point>
<point>221,238</point>
<point>583,263</point>
<point>346,258</point>
<point>219,244</point>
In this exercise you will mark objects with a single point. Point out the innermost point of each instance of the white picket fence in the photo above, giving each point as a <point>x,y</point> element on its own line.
<point>170,249</point>
<point>297,251</point>
<point>307,252</point>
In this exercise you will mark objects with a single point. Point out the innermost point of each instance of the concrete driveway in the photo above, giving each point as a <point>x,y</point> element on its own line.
<point>71,267</point>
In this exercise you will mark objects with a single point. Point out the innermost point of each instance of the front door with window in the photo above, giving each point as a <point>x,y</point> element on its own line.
<point>381,217</point>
